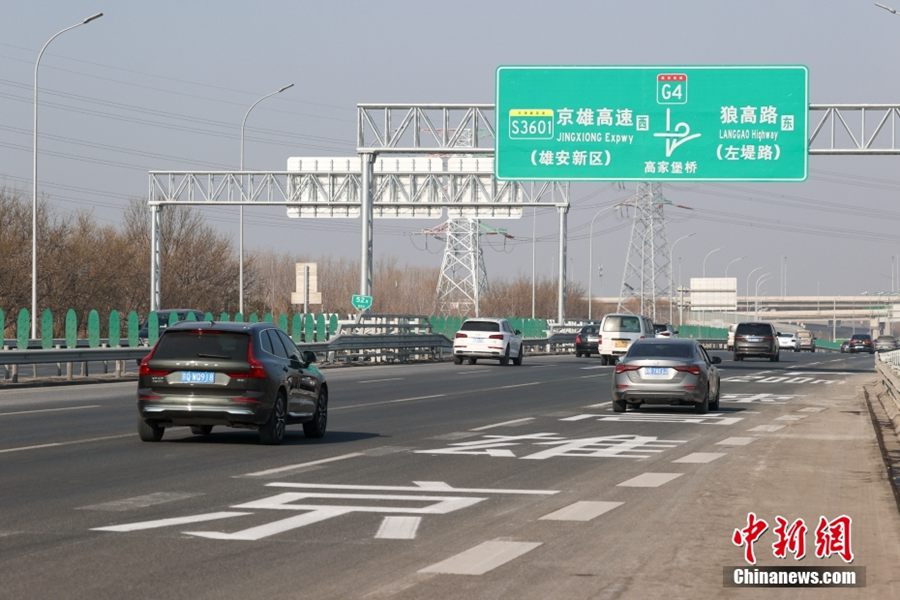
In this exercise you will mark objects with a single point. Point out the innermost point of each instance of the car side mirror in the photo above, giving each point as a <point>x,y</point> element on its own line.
<point>518,332</point>
<point>309,357</point>
<point>716,360</point>
<point>675,332</point>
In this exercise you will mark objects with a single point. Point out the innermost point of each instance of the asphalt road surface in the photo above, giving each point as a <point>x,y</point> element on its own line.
<point>444,481</point>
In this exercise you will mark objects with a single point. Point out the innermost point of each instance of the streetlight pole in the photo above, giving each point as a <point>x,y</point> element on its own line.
<point>34,175</point>
<point>761,279</point>
<point>731,262</point>
<point>750,274</point>
<point>671,270</point>
<point>591,256</point>
<point>708,254</point>
<point>887,8</point>
<point>241,226</point>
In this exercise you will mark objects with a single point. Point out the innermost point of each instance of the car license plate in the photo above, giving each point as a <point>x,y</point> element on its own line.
<point>621,343</point>
<point>198,377</point>
<point>655,372</point>
<point>753,339</point>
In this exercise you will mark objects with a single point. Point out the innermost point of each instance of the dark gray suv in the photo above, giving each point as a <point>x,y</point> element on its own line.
<point>203,374</point>
<point>756,339</point>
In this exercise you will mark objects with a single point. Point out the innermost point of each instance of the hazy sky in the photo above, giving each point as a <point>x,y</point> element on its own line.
<point>164,85</point>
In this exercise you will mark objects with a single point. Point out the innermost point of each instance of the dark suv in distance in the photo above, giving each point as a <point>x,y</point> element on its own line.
<point>756,338</point>
<point>586,341</point>
<point>203,374</point>
<point>861,342</point>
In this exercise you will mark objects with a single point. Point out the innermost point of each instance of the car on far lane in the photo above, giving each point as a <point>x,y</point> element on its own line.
<point>885,343</point>
<point>845,346</point>
<point>487,338</point>
<point>756,338</point>
<point>787,340</point>
<point>586,341</point>
<point>664,330</point>
<point>666,371</point>
<point>860,342</point>
<point>806,341</point>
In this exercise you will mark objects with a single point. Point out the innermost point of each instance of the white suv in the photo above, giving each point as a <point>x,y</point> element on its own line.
<point>487,338</point>
<point>618,332</point>
<point>787,340</point>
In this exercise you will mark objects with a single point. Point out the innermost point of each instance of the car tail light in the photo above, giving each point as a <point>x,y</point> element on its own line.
<point>599,339</point>
<point>145,369</point>
<point>768,338</point>
<point>460,334</point>
<point>257,369</point>
<point>622,368</point>
<point>692,369</point>
<point>496,336</point>
<point>578,338</point>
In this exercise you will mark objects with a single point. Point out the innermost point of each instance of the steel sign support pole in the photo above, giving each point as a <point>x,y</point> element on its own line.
<point>561,290</point>
<point>155,272</point>
<point>367,163</point>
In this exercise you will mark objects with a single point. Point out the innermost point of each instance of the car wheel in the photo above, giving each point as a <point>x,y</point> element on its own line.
<point>619,406</point>
<point>518,359</point>
<point>149,432</point>
<point>701,408</point>
<point>458,360</point>
<point>504,360</point>
<point>316,427</point>
<point>472,360</point>
<point>201,429</point>
<point>271,432</point>
<point>714,405</point>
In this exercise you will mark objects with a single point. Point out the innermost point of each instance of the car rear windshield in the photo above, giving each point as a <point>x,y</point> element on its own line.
<point>615,323</point>
<point>480,326</point>
<point>661,351</point>
<point>861,336</point>
<point>206,344</point>
<point>754,329</point>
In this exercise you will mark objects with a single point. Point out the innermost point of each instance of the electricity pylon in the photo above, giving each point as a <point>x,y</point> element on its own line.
<point>646,276</point>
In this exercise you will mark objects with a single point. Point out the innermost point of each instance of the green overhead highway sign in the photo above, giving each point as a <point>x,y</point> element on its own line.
<point>361,302</point>
<point>652,123</point>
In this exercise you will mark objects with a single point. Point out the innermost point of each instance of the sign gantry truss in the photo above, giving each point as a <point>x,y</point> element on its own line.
<point>424,128</point>
<point>868,129</point>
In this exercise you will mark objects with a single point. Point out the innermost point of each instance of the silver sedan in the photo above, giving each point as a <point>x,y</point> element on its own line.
<point>666,371</point>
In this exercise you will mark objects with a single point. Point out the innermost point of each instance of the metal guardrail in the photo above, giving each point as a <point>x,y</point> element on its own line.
<point>66,355</point>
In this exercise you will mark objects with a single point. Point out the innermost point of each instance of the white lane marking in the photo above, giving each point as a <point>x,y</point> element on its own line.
<point>398,528</point>
<point>812,409</point>
<point>426,486</point>
<point>767,428</point>
<point>579,418</point>
<point>253,534</point>
<point>585,510</point>
<point>484,557</point>
<point>301,465</point>
<point>137,502</point>
<point>503,424</point>
<point>590,376</point>
<point>172,521</point>
<point>699,458</point>
<point>413,399</point>
<point>597,367</point>
<point>600,404</point>
<point>518,385</point>
<point>736,441</point>
<point>790,417</point>
<point>380,380</point>
<point>46,410</point>
<point>73,442</point>
<point>650,480</point>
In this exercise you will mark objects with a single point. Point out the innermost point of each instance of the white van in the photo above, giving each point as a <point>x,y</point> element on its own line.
<point>618,331</point>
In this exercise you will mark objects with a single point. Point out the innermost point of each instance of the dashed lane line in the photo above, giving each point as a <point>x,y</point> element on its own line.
<point>70,443</point>
<point>399,528</point>
<point>383,402</point>
<point>380,380</point>
<point>504,424</point>
<point>736,441</point>
<point>481,559</point>
<point>650,480</point>
<point>767,428</point>
<point>699,458</point>
<point>46,410</point>
<point>585,510</point>
<point>295,467</point>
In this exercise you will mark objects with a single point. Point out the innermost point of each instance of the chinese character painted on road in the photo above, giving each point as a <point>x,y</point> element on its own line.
<point>748,535</point>
<point>833,537</point>
<point>492,445</point>
<point>790,538</point>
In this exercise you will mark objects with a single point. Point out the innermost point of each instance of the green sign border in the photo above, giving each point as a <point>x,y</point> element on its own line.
<point>667,67</point>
